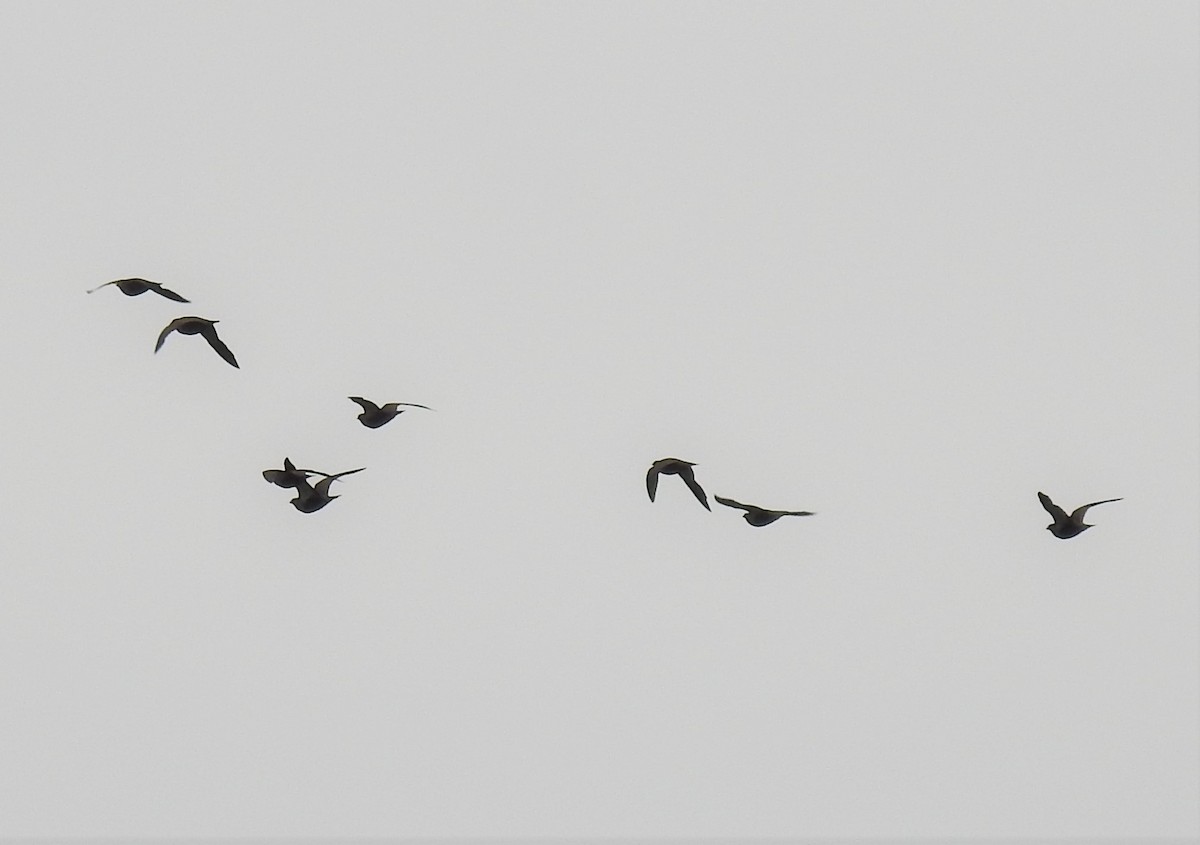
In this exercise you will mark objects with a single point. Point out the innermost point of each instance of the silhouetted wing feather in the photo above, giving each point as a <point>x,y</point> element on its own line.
<point>730,503</point>
<point>689,478</point>
<point>169,294</point>
<point>1077,514</point>
<point>162,336</point>
<point>652,482</point>
<point>796,513</point>
<point>322,487</point>
<point>1054,510</point>
<point>366,404</point>
<point>210,334</point>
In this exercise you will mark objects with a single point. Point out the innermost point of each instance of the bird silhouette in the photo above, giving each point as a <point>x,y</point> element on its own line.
<point>757,516</point>
<point>373,416</point>
<point>289,476</point>
<point>200,326</point>
<point>136,287</point>
<point>674,466</point>
<point>309,498</point>
<point>1065,527</point>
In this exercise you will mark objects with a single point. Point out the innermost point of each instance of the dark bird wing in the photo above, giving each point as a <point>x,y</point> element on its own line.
<point>366,404</point>
<point>689,478</point>
<point>106,284</point>
<point>652,482</point>
<point>796,513</point>
<point>1054,510</point>
<point>169,294</point>
<point>730,503</point>
<point>1077,514</point>
<point>210,334</point>
<point>162,336</point>
<point>409,404</point>
<point>323,485</point>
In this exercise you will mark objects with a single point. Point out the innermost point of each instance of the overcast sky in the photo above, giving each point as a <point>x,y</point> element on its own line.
<point>901,264</point>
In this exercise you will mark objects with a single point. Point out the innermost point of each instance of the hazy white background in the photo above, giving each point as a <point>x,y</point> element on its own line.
<point>901,264</point>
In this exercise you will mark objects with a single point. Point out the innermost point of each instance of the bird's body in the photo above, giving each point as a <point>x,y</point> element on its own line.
<point>1065,527</point>
<point>757,516</point>
<point>200,326</point>
<point>136,287</point>
<point>289,476</point>
<point>674,466</point>
<point>309,499</point>
<point>373,416</point>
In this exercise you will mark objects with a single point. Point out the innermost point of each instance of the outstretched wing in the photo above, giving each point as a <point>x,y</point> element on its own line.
<point>1077,514</point>
<point>652,482</point>
<point>162,336</point>
<point>106,284</point>
<point>1054,510</point>
<point>210,334</point>
<point>730,503</point>
<point>689,478</point>
<point>795,513</point>
<point>169,294</point>
<point>323,485</point>
<point>395,405</point>
<point>366,404</point>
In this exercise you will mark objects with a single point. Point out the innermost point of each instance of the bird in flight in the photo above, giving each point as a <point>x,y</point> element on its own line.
<point>136,287</point>
<point>674,466</point>
<point>1065,527</point>
<point>373,416</point>
<point>289,476</point>
<point>309,499</point>
<point>757,516</point>
<point>200,326</point>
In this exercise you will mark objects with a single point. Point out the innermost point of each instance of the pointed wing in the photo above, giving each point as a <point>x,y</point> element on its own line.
<point>322,487</point>
<point>162,336</point>
<point>210,334</point>
<point>1078,513</point>
<point>411,405</point>
<point>795,513</point>
<point>366,404</point>
<point>730,503</point>
<point>652,482</point>
<point>169,294</point>
<point>1054,510</point>
<point>288,465</point>
<point>106,284</point>
<point>689,478</point>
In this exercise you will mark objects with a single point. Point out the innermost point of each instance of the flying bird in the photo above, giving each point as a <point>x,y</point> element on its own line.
<point>289,476</point>
<point>757,516</point>
<point>136,287</point>
<point>373,416</point>
<point>309,498</point>
<point>1065,527</point>
<point>200,326</point>
<point>674,466</point>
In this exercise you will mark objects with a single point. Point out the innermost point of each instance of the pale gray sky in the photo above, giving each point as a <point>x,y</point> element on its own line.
<point>901,264</point>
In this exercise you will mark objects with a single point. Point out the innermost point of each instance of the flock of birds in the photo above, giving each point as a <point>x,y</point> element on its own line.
<point>310,498</point>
